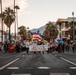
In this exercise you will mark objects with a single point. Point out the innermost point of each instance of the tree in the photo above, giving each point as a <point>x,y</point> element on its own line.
<point>29,36</point>
<point>22,32</point>
<point>8,18</point>
<point>50,32</point>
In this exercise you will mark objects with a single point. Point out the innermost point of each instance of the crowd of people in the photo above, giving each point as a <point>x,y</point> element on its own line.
<point>24,46</point>
<point>14,47</point>
<point>61,47</point>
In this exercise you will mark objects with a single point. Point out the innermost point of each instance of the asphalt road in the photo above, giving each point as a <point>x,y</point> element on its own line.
<point>38,64</point>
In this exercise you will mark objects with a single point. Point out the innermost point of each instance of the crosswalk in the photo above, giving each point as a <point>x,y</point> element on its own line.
<point>40,68</point>
<point>59,74</point>
<point>21,74</point>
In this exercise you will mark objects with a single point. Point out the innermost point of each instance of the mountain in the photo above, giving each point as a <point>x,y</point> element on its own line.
<point>40,30</point>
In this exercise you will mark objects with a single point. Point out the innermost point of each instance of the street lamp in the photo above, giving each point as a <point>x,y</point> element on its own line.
<point>73,25</point>
<point>15,20</point>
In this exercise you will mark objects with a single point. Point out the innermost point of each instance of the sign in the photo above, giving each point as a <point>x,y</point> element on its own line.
<point>38,47</point>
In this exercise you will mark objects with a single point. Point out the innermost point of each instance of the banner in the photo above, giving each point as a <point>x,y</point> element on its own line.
<point>38,47</point>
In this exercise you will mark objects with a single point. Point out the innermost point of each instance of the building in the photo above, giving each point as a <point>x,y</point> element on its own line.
<point>63,26</point>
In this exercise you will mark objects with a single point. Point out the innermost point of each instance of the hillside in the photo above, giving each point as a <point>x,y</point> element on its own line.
<point>41,29</point>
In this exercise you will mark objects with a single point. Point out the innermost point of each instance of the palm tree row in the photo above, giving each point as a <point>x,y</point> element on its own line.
<point>8,16</point>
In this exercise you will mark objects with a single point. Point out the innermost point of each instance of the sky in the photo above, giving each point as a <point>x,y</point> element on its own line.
<point>36,13</point>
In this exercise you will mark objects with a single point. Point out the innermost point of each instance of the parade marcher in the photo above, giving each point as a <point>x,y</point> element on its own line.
<point>73,47</point>
<point>11,48</point>
<point>6,46</point>
<point>2,48</point>
<point>17,47</point>
<point>48,44</point>
<point>59,48</point>
<point>27,46</point>
<point>63,47</point>
<point>67,47</point>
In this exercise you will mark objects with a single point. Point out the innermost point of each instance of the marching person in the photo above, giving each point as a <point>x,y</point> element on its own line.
<point>27,46</point>
<point>17,47</point>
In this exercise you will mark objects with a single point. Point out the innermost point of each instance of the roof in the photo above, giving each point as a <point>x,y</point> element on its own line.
<point>62,20</point>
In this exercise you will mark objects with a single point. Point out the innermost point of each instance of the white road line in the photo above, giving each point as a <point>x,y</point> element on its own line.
<point>59,74</point>
<point>8,64</point>
<point>21,74</point>
<point>73,68</point>
<point>68,61</point>
<point>43,67</point>
<point>13,68</point>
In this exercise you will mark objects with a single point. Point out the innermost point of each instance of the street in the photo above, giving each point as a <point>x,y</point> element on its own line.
<point>38,64</point>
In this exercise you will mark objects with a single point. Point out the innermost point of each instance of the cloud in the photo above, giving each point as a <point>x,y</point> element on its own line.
<point>21,3</point>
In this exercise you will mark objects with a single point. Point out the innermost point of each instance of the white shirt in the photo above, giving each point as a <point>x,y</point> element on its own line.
<point>27,44</point>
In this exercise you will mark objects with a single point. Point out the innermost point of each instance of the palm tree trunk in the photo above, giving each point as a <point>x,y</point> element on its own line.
<point>9,35</point>
<point>17,21</point>
<point>1,19</point>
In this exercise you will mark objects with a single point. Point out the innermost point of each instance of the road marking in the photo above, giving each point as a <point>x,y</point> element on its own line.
<point>68,61</point>
<point>72,67</point>
<point>21,74</point>
<point>8,64</point>
<point>23,55</point>
<point>13,68</point>
<point>59,74</point>
<point>43,67</point>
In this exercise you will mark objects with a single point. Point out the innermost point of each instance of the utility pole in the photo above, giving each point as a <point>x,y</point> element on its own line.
<point>15,20</point>
<point>73,25</point>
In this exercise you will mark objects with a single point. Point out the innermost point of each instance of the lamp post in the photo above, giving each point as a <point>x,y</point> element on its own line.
<point>15,20</point>
<point>73,25</point>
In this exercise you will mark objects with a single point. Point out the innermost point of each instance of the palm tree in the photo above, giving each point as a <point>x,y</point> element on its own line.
<point>17,8</point>
<point>9,18</point>
<point>22,32</point>
<point>50,32</point>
